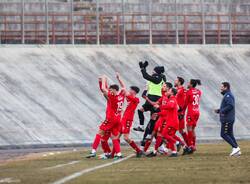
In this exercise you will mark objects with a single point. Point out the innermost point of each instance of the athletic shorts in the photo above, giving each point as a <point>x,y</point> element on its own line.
<point>181,117</point>
<point>160,125</point>
<point>126,125</point>
<point>192,119</point>
<point>107,135</point>
<point>113,125</point>
<point>169,130</point>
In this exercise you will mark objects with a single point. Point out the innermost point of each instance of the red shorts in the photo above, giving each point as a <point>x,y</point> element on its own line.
<point>181,121</point>
<point>112,125</point>
<point>160,125</point>
<point>126,125</point>
<point>181,124</point>
<point>171,131</point>
<point>192,119</point>
<point>107,135</point>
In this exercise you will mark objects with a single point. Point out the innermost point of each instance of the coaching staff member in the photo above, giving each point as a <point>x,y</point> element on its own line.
<point>227,118</point>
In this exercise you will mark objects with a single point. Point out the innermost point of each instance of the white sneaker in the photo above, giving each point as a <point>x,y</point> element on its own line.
<point>238,154</point>
<point>235,151</point>
<point>162,149</point>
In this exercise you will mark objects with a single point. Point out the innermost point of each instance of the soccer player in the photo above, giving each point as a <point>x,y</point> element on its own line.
<point>128,116</point>
<point>180,97</point>
<point>160,123</point>
<point>192,103</point>
<point>169,112</point>
<point>115,100</point>
<point>97,139</point>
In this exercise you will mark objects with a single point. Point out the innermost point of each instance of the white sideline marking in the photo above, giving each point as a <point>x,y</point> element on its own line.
<point>84,171</point>
<point>61,165</point>
<point>9,180</point>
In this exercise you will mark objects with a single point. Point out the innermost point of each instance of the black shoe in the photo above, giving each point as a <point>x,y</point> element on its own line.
<point>151,154</point>
<point>173,155</point>
<point>139,129</point>
<point>178,146</point>
<point>91,155</point>
<point>186,151</point>
<point>139,154</point>
<point>191,151</point>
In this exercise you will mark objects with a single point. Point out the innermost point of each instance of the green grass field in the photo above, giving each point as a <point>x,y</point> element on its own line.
<point>210,164</point>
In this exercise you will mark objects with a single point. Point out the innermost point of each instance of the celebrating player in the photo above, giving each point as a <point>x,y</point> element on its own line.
<point>180,97</point>
<point>169,113</point>
<point>128,116</point>
<point>192,103</point>
<point>160,123</point>
<point>115,100</point>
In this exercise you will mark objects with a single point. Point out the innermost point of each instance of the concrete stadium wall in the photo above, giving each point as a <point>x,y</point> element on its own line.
<point>50,95</point>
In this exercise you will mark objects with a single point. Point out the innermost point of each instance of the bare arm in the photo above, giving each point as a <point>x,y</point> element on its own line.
<point>100,86</point>
<point>121,82</point>
<point>104,86</point>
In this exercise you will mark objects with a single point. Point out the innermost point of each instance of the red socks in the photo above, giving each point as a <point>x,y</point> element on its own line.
<point>116,145</point>
<point>147,144</point>
<point>171,142</point>
<point>158,142</point>
<point>105,146</point>
<point>194,140</point>
<point>190,138</point>
<point>185,137</point>
<point>134,146</point>
<point>96,141</point>
<point>179,139</point>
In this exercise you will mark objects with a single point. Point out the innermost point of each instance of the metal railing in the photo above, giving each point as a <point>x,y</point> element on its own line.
<point>118,23</point>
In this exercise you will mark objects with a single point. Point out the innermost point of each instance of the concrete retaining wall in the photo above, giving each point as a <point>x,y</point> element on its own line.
<point>50,95</point>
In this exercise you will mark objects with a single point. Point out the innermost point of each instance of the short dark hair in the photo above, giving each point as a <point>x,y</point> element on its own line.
<point>226,85</point>
<point>114,86</point>
<point>181,80</point>
<point>174,91</point>
<point>195,82</point>
<point>169,84</point>
<point>135,88</point>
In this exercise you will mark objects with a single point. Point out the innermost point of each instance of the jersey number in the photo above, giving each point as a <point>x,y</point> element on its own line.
<point>196,99</point>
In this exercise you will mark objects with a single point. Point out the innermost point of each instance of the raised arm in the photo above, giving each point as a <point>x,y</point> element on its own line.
<point>122,84</point>
<point>104,86</point>
<point>153,78</point>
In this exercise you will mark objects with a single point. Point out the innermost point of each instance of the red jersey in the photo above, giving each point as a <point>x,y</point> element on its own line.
<point>163,101</point>
<point>133,102</point>
<point>114,104</point>
<point>181,96</point>
<point>171,109</point>
<point>120,101</point>
<point>192,101</point>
